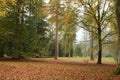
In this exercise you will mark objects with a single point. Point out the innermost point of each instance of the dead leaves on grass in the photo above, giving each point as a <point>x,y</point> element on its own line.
<point>55,70</point>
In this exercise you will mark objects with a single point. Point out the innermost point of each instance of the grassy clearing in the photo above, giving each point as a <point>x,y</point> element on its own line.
<point>108,59</point>
<point>80,59</point>
<point>74,58</point>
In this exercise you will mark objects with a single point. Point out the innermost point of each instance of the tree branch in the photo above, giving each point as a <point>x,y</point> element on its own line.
<point>109,34</point>
<point>87,29</point>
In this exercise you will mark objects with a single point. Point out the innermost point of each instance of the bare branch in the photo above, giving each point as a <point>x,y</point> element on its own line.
<point>103,12</point>
<point>105,26</point>
<point>87,29</point>
<point>108,34</point>
<point>88,25</point>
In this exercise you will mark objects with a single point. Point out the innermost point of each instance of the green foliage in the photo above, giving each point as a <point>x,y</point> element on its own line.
<point>51,47</point>
<point>78,50</point>
<point>24,25</point>
<point>27,34</point>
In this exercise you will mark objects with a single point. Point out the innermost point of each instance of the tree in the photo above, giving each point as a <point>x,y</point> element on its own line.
<point>97,11</point>
<point>19,21</point>
<point>6,33</point>
<point>69,21</point>
<point>4,5</point>
<point>78,50</point>
<point>117,70</point>
<point>24,28</point>
<point>118,25</point>
<point>54,11</point>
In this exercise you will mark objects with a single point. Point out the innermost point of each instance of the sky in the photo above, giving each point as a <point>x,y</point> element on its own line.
<point>79,35</point>
<point>46,0</point>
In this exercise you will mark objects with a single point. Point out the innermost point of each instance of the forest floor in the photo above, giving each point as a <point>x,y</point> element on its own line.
<point>49,69</point>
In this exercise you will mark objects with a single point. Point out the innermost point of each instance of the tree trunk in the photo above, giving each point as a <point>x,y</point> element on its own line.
<point>118,24</point>
<point>118,58</point>
<point>57,41</point>
<point>117,70</point>
<point>19,20</point>
<point>99,46</point>
<point>71,51</point>
<point>99,35</point>
<point>69,46</point>
<point>16,42</point>
<point>91,45</point>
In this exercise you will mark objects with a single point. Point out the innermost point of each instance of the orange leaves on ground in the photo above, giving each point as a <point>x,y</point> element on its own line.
<point>54,70</point>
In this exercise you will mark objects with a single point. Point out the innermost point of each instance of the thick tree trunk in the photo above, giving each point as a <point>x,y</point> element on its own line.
<point>91,45</point>
<point>118,58</point>
<point>118,24</point>
<point>99,36</point>
<point>19,20</point>
<point>99,46</point>
<point>117,70</point>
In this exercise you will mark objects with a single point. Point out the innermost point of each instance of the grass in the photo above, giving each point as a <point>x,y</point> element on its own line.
<point>108,59</point>
<point>104,59</point>
<point>62,69</point>
<point>74,58</point>
<point>81,59</point>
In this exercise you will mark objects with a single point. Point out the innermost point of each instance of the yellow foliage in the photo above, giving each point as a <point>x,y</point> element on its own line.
<point>2,13</point>
<point>4,5</point>
<point>4,2</point>
<point>54,2</point>
<point>44,11</point>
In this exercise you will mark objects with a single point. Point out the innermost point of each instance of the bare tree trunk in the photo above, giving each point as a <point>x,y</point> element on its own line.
<point>57,41</point>
<point>99,46</point>
<point>99,36</point>
<point>117,70</point>
<point>91,45</point>
<point>118,24</point>
<point>118,59</point>
<point>69,46</point>
<point>18,21</point>
<point>69,49</point>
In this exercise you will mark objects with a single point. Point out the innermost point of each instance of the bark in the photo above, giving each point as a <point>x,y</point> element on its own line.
<point>117,70</point>
<point>99,36</point>
<point>118,24</point>
<point>91,45</point>
<point>18,22</point>
<point>69,46</point>
<point>17,28</point>
<point>57,41</point>
<point>71,50</point>
<point>99,46</point>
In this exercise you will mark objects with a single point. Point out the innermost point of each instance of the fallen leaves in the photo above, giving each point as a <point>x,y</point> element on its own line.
<point>54,70</point>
